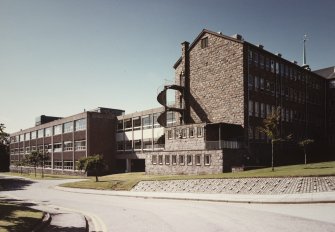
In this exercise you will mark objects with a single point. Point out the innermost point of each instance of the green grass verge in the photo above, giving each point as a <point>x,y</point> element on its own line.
<point>16,217</point>
<point>127,181</point>
<point>39,176</point>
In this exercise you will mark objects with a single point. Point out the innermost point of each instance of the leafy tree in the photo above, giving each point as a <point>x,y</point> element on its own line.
<point>4,148</point>
<point>304,143</point>
<point>271,129</point>
<point>33,160</point>
<point>91,163</point>
<point>43,157</point>
<point>20,164</point>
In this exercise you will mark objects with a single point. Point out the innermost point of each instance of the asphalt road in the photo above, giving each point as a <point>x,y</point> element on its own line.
<point>138,214</point>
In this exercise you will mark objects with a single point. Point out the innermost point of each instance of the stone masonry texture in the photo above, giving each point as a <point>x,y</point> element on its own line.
<point>289,185</point>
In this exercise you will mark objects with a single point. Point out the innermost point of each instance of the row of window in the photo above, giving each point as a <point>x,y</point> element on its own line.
<point>180,159</point>
<point>146,122</point>
<point>185,133</point>
<point>257,83</point>
<point>283,70</point>
<point>138,144</point>
<point>68,127</point>
<point>56,147</point>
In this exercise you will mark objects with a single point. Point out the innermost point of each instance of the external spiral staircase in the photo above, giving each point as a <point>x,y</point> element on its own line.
<point>161,98</point>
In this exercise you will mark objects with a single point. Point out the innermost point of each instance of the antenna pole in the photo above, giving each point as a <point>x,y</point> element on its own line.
<point>304,62</point>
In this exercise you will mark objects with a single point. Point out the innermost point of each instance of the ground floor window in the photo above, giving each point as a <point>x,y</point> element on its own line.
<point>189,160</point>
<point>58,165</point>
<point>198,160</point>
<point>47,164</point>
<point>167,159</point>
<point>160,159</point>
<point>68,165</point>
<point>154,159</point>
<point>174,159</point>
<point>207,160</point>
<point>181,159</point>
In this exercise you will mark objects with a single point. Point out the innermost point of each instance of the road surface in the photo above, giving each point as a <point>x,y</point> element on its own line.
<point>115,213</point>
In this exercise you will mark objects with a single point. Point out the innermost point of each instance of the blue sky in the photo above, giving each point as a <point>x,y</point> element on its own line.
<point>59,57</point>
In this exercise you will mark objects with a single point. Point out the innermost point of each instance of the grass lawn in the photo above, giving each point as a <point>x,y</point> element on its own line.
<point>14,216</point>
<point>39,176</point>
<point>126,181</point>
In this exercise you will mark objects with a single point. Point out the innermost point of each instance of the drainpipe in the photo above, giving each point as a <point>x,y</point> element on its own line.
<point>185,70</point>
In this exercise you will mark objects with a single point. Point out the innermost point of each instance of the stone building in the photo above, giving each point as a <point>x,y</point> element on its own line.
<point>224,87</point>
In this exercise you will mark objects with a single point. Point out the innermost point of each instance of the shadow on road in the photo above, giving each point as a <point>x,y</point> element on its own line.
<point>12,184</point>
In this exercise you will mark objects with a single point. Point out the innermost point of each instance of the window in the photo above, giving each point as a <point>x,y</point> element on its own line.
<point>200,131</point>
<point>251,108</point>
<point>160,159</point>
<point>120,146</point>
<point>137,144</point>
<point>267,64</point>
<point>40,133</point>
<point>27,136</point>
<point>57,147</point>
<point>156,124</point>
<point>184,132</point>
<point>17,138</point>
<point>262,110</point>
<point>256,109</point>
<point>250,82</point>
<point>277,68</point>
<point>256,83</point>
<point>191,132</point>
<point>207,160</point>
<point>80,145</point>
<point>332,84</point>
<point>250,56</point>
<point>204,42</point>
<point>169,134</point>
<point>129,145</point>
<point>80,124</point>
<point>261,61</point>
<point>256,58</point>
<point>57,130</point>
<point>198,160</point>
<point>120,125</point>
<point>181,159</point>
<point>147,144</point>
<point>68,164</point>
<point>27,150</point>
<point>33,148</point>
<point>58,165</point>
<point>170,118</point>
<point>21,150</point>
<point>33,134</point>
<point>272,65</point>
<point>137,123</point>
<point>154,159</point>
<point>68,146</point>
<point>128,124</point>
<point>167,159</point>
<point>262,83</point>
<point>48,148</point>
<point>68,127</point>
<point>189,160</point>
<point>22,138</point>
<point>147,122</point>
<point>268,109</point>
<point>174,159</point>
<point>47,132</point>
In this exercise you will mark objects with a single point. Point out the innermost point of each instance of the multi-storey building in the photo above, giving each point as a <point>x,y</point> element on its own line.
<point>224,88</point>
<point>68,139</point>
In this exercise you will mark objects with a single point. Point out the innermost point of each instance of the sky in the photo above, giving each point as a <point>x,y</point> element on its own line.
<point>60,57</point>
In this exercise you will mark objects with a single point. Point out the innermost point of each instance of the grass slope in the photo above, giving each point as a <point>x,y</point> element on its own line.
<point>39,176</point>
<point>126,181</point>
<point>14,216</point>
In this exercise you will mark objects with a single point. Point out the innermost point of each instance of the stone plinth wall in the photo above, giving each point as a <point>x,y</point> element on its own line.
<point>289,185</point>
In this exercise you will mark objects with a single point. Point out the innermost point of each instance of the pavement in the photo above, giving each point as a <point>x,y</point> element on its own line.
<point>63,219</point>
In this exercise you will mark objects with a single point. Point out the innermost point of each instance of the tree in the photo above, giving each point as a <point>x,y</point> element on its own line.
<point>33,159</point>
<point>43,157</point>
<point>304,143</point>
<point>271,129</point>
<point>4,148</point>
<point>91,163</point>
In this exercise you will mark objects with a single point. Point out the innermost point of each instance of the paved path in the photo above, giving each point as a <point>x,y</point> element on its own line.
<point>115,213</point>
